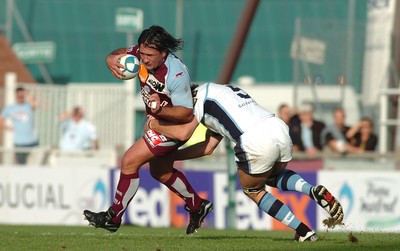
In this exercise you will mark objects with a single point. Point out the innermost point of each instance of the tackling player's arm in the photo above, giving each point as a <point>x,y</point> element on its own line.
<point>181,132</point>
<point>113,64</point>
<point>178,114</point>
<point>200,149</point>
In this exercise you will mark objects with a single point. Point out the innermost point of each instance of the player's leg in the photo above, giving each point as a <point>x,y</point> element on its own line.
<point>161,169</point>
<point>256,154</point>
<point>128,184</point>
<point>254,187</point>
<point>288,180</point>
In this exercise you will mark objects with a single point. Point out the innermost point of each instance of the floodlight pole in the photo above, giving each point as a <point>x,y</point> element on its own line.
<point>233,53</point>
<point>228,67</point>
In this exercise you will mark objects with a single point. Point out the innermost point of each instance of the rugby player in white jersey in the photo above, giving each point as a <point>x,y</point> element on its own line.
<point>262,149</point>
<point>164,75</point>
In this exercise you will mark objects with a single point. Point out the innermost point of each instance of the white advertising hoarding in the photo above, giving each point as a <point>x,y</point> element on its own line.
<point>51,195</point>
<point>58,196</point>
<point>370,199</point>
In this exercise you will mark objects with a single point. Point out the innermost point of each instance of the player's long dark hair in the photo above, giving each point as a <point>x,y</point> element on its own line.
<point>158,38</point>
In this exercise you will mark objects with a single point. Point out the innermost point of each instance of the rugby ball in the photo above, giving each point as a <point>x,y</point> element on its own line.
<point>132,65</point>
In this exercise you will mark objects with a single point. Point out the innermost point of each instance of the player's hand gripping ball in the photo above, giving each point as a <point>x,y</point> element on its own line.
<point>132,66</point>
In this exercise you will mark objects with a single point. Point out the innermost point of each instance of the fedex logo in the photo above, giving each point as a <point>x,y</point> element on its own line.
<point>149,207</point>
<point>249,216</point>
<point>155,205</point>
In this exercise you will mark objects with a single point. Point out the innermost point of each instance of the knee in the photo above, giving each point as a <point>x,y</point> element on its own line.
<point>255,194</point>
<point>161,175</point>
<point>129,166</point>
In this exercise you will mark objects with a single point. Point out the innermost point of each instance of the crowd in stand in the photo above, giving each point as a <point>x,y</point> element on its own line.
<point>78,134</point>
<point>308,134</point>
<point>312,136</point>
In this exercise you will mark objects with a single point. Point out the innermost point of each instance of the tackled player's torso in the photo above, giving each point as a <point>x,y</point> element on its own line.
<point>154,82</point>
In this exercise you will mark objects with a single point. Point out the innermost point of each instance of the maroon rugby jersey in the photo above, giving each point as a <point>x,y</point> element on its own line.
<point>171,81</point>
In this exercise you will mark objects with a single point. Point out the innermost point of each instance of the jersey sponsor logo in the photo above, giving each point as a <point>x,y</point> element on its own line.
<point>246,103</point>
<point>180,74</point>
<point>155,84</point>
<point>153,138</point>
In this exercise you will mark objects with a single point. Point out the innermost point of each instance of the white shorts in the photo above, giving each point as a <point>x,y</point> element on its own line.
<point>268,142</point>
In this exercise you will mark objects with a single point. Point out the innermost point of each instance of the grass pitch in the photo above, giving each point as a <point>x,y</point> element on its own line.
<point>159,239</point>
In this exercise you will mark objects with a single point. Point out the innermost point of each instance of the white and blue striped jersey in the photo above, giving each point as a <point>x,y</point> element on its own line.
<point>227,110</point>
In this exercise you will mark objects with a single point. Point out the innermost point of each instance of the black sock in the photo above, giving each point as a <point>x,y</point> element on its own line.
<point>302,229</point>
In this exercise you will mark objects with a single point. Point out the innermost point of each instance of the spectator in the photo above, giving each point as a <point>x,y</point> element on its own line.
<point>21,115</point>
<point>306,135</point>
<point>78,133</point>
<point>362,137</point>
<point>286,114</point>
<point>334,136</point>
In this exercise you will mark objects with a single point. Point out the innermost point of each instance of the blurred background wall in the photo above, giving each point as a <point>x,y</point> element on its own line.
<point>84,32</point>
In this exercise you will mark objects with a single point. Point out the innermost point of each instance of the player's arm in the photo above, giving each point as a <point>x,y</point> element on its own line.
<point>200,149</point>
<point>113,64</point>
<point>181,111</point>
<point>178,114</point>
<point>181,132</point>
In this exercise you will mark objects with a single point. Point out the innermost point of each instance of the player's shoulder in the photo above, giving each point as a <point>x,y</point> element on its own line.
<point>134,50</point>
<point>176,68</point>
<point>212,88</point>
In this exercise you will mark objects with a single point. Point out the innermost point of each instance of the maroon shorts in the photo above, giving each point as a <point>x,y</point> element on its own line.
<point>159,144</point>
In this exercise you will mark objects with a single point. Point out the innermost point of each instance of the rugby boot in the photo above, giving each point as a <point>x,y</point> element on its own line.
<point>197,217</point>
<point>102,220</point>
<point>326,200</point>
<point>310,236</point>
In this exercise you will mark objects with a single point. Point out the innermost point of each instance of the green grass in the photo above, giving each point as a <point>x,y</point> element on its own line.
<point>139,238</point>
